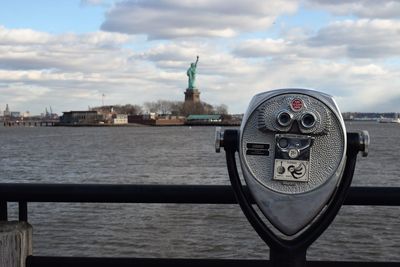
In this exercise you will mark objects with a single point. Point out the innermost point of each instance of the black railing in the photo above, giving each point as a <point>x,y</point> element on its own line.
<point>148,262</point>
<point>180,194</point>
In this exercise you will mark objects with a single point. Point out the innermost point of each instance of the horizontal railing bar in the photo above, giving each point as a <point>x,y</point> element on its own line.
<point>187,194</point>
<point>110,193</point>
<point>41,261</point>
<point>373,196</point>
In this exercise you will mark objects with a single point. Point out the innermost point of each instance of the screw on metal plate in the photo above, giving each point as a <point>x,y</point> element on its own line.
<point>364,141</point>
<point>219,139</point>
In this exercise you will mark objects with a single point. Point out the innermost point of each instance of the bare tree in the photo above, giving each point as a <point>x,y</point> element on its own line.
<point>133,109</point>
<point>166,107</point>
<point>221,109</point>
<point>151,107</point>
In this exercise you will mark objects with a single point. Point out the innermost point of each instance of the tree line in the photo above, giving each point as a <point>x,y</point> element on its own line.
<point>166,107</point>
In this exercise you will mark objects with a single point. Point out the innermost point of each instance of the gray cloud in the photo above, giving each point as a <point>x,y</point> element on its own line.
<point>360,39</point>
<point>387,105</point>
<point>359,8</point>
<point>165,19</point>
<point>346,59</point>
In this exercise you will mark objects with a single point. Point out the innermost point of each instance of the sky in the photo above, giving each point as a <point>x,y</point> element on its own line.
<point>67,54</point>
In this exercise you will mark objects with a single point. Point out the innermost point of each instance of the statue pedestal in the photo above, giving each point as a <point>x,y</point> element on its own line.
<point>192,95</point>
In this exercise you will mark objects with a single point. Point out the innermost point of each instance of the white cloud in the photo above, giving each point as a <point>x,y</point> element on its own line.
<point>92,2</point>
<point>23,49</point>
<point>347,59</point>
<point>262,47</point>
<point>165,19</point>
<point>231,80</point>
<point>31,37</point>
<point>22,36</point>
<point>69,67</point>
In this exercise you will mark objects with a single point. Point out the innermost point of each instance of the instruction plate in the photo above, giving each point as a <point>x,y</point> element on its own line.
<point>291,170</point>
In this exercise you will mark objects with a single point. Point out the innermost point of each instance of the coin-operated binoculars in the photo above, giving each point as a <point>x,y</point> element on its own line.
<point>297,161</point>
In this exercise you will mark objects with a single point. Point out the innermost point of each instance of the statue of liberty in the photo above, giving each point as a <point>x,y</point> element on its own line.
<point>191,73</point>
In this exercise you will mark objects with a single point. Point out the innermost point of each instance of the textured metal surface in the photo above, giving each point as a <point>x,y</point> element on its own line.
<point>269,110</point>
<point>291,205</point>
<point>326,152</point>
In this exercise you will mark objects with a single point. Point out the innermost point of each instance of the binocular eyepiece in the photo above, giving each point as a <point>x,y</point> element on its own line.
<point>308,120</point>
<point>285,118</point>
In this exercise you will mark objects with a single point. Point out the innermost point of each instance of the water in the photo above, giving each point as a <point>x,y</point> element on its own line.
<point>177,155</point>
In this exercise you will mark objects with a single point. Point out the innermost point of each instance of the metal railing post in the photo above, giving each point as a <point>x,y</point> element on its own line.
<point>23,211</point>
<point>3,211</point>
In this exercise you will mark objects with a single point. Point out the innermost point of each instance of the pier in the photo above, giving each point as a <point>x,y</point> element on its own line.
<point>30,123</point>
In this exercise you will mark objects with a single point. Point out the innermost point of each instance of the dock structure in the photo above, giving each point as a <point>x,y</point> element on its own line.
<point>16,118</point>
<point>30,123</point>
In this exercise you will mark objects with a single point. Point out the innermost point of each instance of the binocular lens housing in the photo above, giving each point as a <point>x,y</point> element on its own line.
<point>284,118</point>
<point>308,120</point>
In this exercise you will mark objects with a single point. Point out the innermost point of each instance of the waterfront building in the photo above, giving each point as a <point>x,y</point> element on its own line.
<point>204,118</point>
<point>15,114</point>
<point>6,112</point>
<point>120,119</point>
<point>155,120</point>
<point>80,118</point>
<point>11,115</point>
<point>26,114</point>
<point>150,116</point>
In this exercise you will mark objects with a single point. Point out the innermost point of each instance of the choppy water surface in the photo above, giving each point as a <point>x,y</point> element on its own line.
<point>177,155</point>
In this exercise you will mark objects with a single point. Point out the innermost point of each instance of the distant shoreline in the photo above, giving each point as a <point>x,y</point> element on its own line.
<point>194,124</point>
<point>146,125</point>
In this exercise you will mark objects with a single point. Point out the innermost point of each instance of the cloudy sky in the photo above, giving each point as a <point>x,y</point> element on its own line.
<point>68,53</point>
